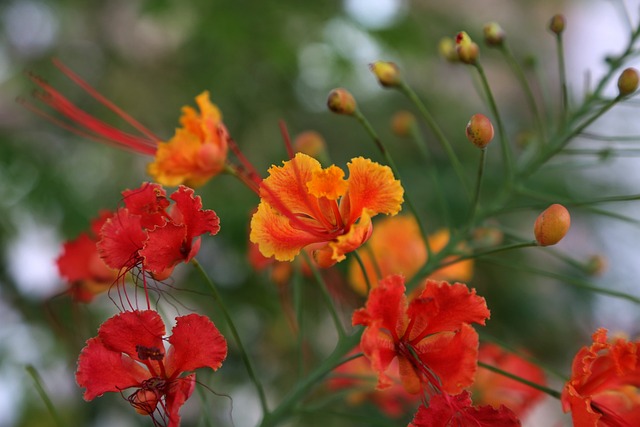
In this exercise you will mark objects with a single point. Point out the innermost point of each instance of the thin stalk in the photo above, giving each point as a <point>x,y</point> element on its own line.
<point>385,153</point>
<point>243,352</point>
<point>476,195</point>
<point>374,261</point>
<point>37,380</point>
<point>563,80</point>
<point>504,144</point>
<point>364,270</point>
<point>433,125</point>
<point>547,390</point>
<point>533,106</point>
<point>299,392</point>
<point>299,310</point>
<point>476,255</point>
<point>325,294</point>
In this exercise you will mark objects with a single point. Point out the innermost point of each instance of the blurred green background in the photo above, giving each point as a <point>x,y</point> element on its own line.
<point>262,62</point>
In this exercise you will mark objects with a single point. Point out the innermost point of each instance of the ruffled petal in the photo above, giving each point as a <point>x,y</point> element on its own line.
<point>164,248</point>
<point>372,186</point>
<point>181,389</point>
<point>379,347</point>
<point>275,236</point>
<point>336,249</point>
<point>122,238</point>
<point>195,343</point>
<point>188,211</point>
<point>135,333</point>
<point>149,202</point>
<point>385,307</point>
<point>328,183</point>
<point>101,369</point>
<point>453,357</point>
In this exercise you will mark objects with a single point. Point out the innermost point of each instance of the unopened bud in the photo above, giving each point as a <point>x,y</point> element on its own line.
<point>447,49</point>
<point>487,236</point>
<point>557,23</point>
<point>310,143</point>
<point>479,130</point>
<point>402,122</point>
<point>552,225</point>
<point>388,73</point>
<point>596,264</point>
<point>493,34</point>
<point>628,81</point>
<point>341,101</point>
<point>467,49</point>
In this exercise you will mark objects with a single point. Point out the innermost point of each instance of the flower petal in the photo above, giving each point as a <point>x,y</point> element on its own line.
<point>372,186</point>
<point>122,237</point>
<point>164,248</point>
<point>385,307</point>
<point>101,369</point>
<point>329,183</point>
<point>195,343</point>
<point>149,202</point>
<point>188,211</point>
<point>133,332</point>
<point>275,236</point>
<point>181,389</point>
<point>335,250</point>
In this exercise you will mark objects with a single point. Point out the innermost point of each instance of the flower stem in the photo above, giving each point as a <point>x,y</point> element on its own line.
<point>563,79</point>
<point>243,352</point>
<point>364,270</point>
<point>325,295</point>
<point>476,194</point>
<point>37,380</point>
<point>385,153</point>
<point>547,390</point>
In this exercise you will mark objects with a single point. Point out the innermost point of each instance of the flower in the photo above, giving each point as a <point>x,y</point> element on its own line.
<point>129,352</point>
<point>603,388</point>
<point>144,234</point>
<point>303,204</point>
<point>398,248</point>
<point>81,265</point>
<point>457,411</point>
<point>491,388</point>
<point>358,377</point>
<point>196,153</point>
<point>431,336</point>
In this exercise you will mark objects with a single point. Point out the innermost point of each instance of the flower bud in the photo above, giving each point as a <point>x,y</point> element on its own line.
<point>552,225</point>
<point>479,130</point>
<point>493,34</point>
<point>341,101</point>
<point>628,81</point>
<point>596,264</point>
<point>447,49</point>
<point>557,23</point>
<point>310,143</point>
<point>388,73</point>
<point>402,122</point>
<point>468,51</point>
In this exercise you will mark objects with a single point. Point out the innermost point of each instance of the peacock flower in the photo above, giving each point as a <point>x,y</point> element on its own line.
<point>80,264</point>
<point>397,246</point>
<point>195,154</point>
<point>603,388</point>
<point>303,204</point>
<point>129,352</point>
<point>431,336</point>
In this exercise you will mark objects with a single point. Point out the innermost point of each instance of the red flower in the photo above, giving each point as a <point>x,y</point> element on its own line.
<point>457,411</point>
<point>603,389</point>
<point>495,389</point>
<point>129,353</point>
<point>144,234</point>
<point>431,336</point>
<point>81,265</point>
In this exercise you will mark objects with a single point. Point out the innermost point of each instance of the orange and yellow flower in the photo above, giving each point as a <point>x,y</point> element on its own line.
<point>398,248</point>
<point>603,388</point>
<point>304,204</point>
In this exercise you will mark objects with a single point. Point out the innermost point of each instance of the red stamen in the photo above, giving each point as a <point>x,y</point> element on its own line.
<point>286,138</point>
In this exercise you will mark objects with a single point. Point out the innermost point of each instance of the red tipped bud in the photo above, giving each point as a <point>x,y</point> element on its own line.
<point>493,34</point>
<point>310,143</point>
<point>341,101</point>
<point>447,49</point>
<point>468,51</point>
<point>596,264</point>
<point>628,81</point>
<point>479,130</point>
<point>557,24</point>
<point>402,122</point>
<point>552,225</point>
<point>388,73</point>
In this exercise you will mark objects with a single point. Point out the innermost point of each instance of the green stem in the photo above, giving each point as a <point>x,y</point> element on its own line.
<point>547,390</point>
<point>563,80</point>
<point>504,144</point>
<point>476,255</point>
<point>335,359</point>
<point>364,270</point>
<point>325,294</point>
<point>433,125</point>
<point>476,195</point>
<point>385,153</point>
<point>37,380</point>
<point>243,352</point>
